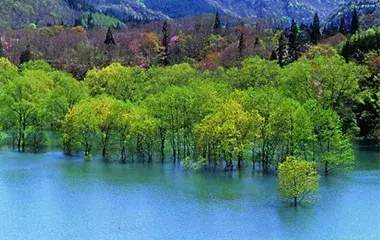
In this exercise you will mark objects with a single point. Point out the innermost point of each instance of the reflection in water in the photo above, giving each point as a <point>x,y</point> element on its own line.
<point>74,199</point>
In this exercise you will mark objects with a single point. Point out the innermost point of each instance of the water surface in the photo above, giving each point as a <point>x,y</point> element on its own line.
<point>50,196</point>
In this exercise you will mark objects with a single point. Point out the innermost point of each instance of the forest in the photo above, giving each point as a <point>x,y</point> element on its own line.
<point>200,92</point>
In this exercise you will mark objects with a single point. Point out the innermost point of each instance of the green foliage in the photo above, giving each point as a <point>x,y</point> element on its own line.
<point>297,180</point>
<point>124,83</point>
<point>22,104</point>
<point>227,133</point>
<point>330,147</point>
<point>257,73</point>
<point>221,117</point>
<point>8,71</point>
<point>99,20</point>
<point>361,43</point>
<point>331,81</point>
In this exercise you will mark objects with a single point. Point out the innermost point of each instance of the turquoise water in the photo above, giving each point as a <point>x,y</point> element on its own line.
<point>50,196</point>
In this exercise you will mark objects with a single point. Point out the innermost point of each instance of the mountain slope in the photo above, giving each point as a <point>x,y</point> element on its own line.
<point>369,12</point>
<point>22,12</point>
<point>303,10</point>
<point>276,10</point>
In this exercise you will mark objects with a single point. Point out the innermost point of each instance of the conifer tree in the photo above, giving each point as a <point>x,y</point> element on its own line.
<point>257,42</point>
<point>241,46</point>
<point>293,42</point>
<point>109,38</point>
<point>282,50</point>
<point>165,43</point>
<point>26,55</point>
<point>355,22</point>
<point>316,30</point>
<point>1,49</point>
<point>273,56</point>
<point>217,24</point>
<point>90,21</point>
<point>342,26</point>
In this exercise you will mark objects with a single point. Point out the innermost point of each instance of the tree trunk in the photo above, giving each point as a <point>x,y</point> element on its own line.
<point>123,155</point>
<point>162,147</point>
<point>295,201</point>
<point>240,159</point>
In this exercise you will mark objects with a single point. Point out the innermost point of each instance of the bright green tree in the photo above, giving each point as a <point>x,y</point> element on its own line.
<point>124,83</point>
<point>22,103</point>
<point>330,148</point>
<point>297,180</point>
<point>227,133</point>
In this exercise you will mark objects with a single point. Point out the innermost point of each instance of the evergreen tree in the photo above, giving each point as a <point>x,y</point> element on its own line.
<point>90,21</point>
<point>293,42</point>
<point>109,38</point>
<point>282,51</point>
<point>77,22</point>
<point>330,30</point>
<point>355,22</point>
<point>241,46</point>
<point>342,26</point>
<point>257,42</point>
<point>26,55</point>
<point>165,43</point>
<point>273,56</point>
<point>315,30</point>
<point>217,24</point>
<point>1,49</point>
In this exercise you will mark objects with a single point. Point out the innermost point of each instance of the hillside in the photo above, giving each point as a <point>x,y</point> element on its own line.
<point>278,12</point>
<point>369,12</point>
<point>16,13</point>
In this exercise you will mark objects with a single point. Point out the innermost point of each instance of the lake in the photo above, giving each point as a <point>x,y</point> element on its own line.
<point>50,196</point>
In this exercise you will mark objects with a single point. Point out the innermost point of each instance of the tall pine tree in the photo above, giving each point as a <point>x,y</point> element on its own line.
<point>241,46</point>
<point>1,49</point>
<point>26,55</point>
<point>90,21</point>
<point>342,26</point>
<point>355,22</point>
<point>217,24</point>
<point>273,56</point>
<point>315,30</point>
<point>282,50</point>
<point>109,38</point>
<point>293,42</point>
<point>165,43</point>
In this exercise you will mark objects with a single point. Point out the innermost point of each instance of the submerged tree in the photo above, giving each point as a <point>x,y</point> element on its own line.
<point>297,180</point>
<point>225,134</point>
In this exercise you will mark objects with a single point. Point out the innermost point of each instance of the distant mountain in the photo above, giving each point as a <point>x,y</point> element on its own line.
<point>16,13</point>
<point>369,12</point>
<point>278,10</point>
<point>22,12</point>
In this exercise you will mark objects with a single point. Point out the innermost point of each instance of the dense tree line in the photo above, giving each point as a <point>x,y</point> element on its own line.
<point>258,113</point>
<point>209,97</point>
